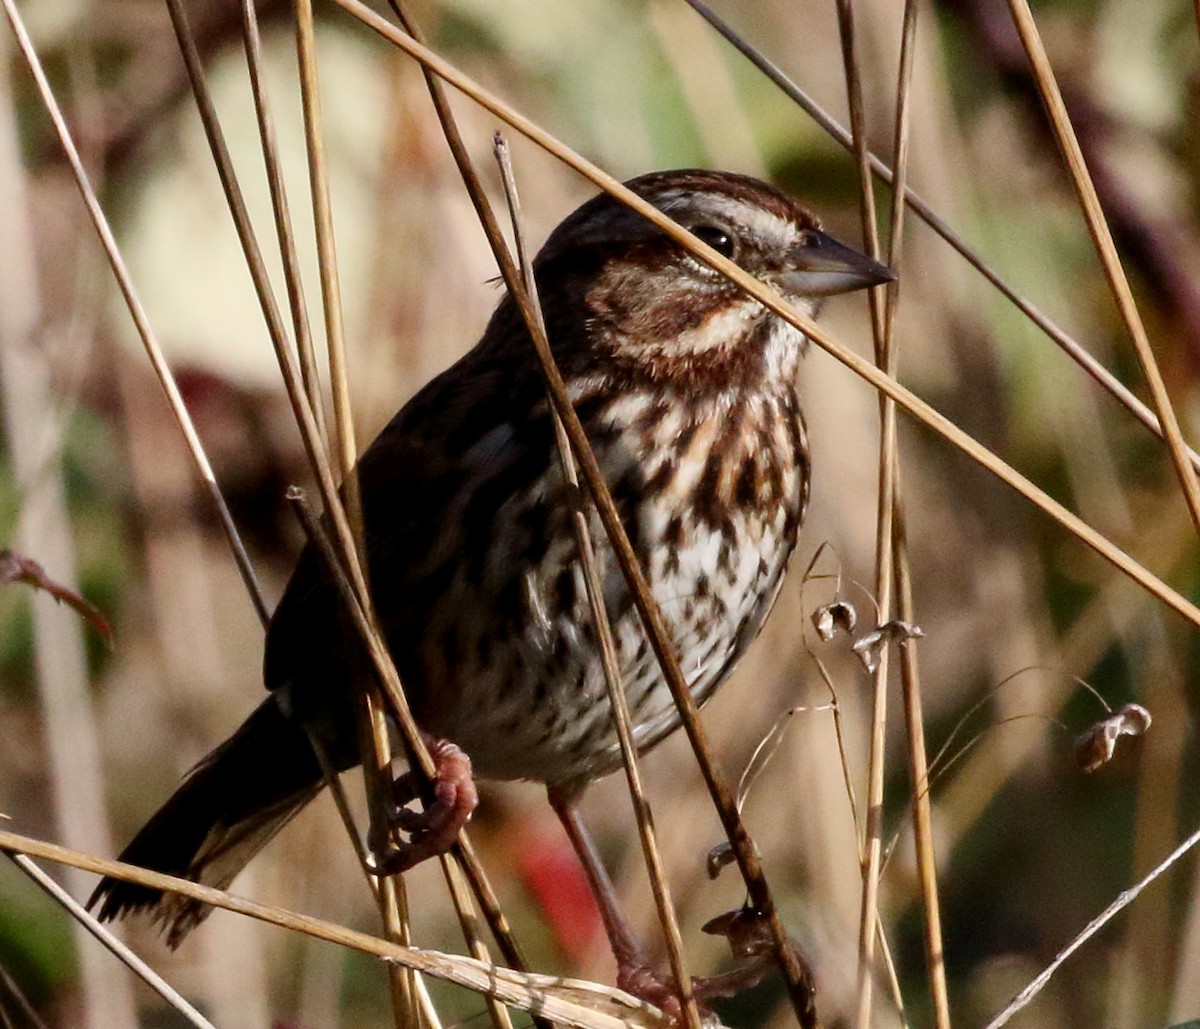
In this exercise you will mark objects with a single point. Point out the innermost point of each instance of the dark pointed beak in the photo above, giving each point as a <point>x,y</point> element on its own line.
<point>822,267</point>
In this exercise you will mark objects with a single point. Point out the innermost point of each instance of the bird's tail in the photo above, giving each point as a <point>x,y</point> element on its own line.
<point>227,808</point>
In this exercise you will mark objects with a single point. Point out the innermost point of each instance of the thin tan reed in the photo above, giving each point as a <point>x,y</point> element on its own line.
<point>301,329</point>
<point>608,648</point>
<point>331,288</point>
<point>869,927</point>
<point>109,940</point>
<point>1097,225</point>
<point>909,667</point>
<point>571,1002</point>
<point>145,333</point>
<point>904,397</point>
<point>1059,336</point>
<point>374,735</point>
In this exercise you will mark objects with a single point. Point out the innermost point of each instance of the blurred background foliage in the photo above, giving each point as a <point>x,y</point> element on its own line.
<point>1014,611</point>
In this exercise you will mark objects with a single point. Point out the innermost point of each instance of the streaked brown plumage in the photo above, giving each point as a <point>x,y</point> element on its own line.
<point>687,390</point>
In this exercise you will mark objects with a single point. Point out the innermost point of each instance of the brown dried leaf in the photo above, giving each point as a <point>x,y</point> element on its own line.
<point>829,618</point>
<point>1095,748</point>
<point>868,648</point>
<point>749,934</point>
<point>718,857</point>
<point>16,567</point>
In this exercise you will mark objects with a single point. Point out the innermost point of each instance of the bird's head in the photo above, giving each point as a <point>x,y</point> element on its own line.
<point>655,308</point>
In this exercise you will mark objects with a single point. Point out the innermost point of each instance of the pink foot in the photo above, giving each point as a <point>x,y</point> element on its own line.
<point>649,984</point>
<point>434,830</point>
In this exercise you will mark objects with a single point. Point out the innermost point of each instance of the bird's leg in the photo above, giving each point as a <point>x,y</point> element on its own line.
<point>635,975</point>
<point>619,934</point>
<point>434,830</point>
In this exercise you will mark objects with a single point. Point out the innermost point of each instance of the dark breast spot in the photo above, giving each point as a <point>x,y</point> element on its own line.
<point>661,479</point>
<point>744,493</point>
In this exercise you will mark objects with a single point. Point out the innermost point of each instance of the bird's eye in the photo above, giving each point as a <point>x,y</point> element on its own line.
<point>810,238</point>
<point>720,240</point>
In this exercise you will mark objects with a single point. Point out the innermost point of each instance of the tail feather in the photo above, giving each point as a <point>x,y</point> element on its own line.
<point>221,815</point>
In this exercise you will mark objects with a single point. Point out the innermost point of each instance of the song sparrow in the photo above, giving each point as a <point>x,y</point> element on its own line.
<point>687,390</point>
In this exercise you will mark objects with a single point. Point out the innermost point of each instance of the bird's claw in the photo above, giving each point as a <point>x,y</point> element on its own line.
<point>644,981</point>
<point>435,829</point>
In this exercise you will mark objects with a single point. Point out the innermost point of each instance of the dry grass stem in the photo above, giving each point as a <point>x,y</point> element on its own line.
<point>798,980</point>
<point>376,751</point>
<point>284,231</point>
<point>468,923</point>
<point>839,134</point>
<point>922,814</point>
<point>571,1002</point>
<point>909,667</point>
<point>374,735</point>
<point>109,940</point>
<point>869,923</point>
<point>340,801</point>
<point>904,397</point>
<point>1097,225</point>
<point>391,896</point>
<point>125,283</point>
<point>331,289</point>
<point>1123,900</point>
<point>608,649</point>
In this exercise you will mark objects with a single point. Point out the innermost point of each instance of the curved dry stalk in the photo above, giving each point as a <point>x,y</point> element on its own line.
<point>1097,225</point>
<point>572,1002</point>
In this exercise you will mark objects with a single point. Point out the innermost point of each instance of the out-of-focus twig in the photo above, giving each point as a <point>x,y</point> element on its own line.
<point>1123,900</point>
<point>126,956</point>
